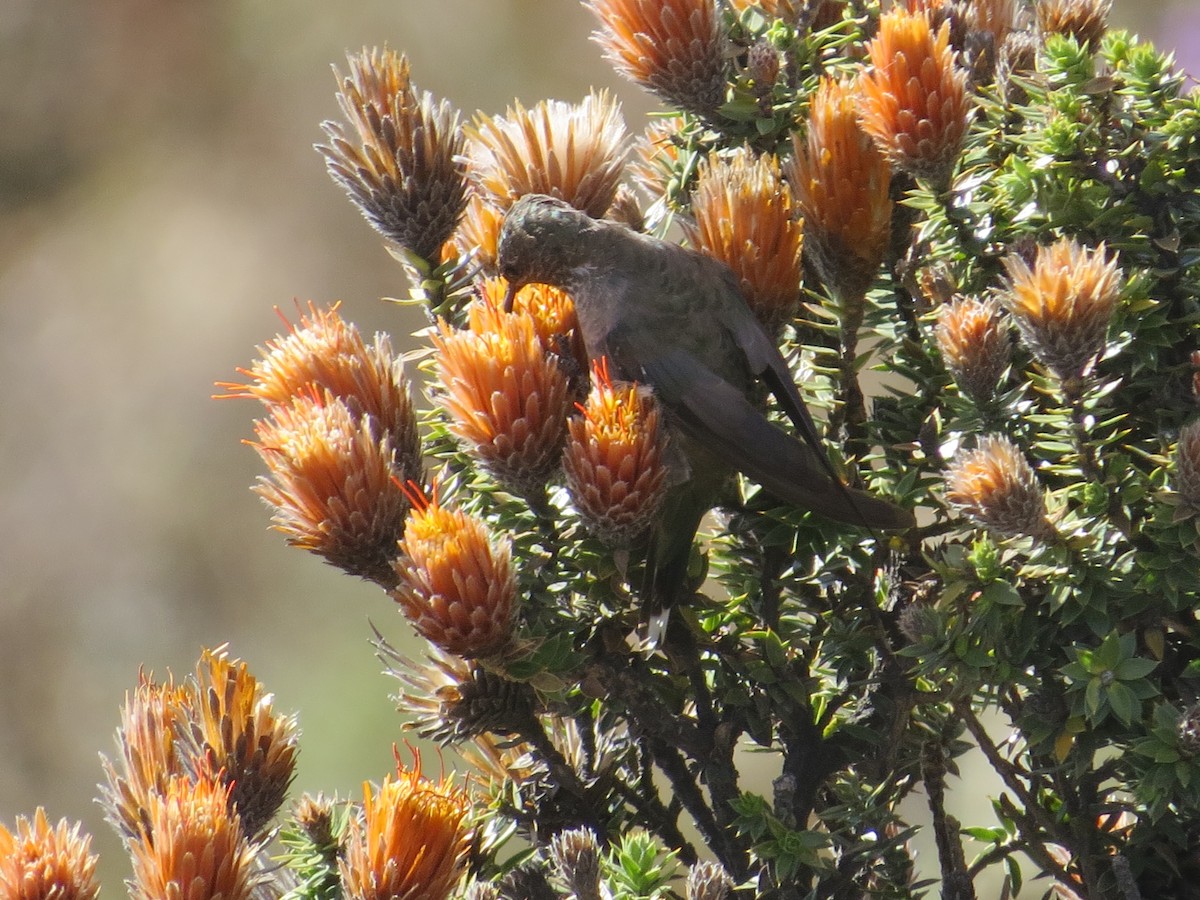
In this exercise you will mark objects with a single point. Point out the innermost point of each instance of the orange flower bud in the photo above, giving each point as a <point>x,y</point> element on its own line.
<point>743,216</point>
<point>675,48</point>
<point>38,862</point>
<point>614,460</point>
<point>975,342</point>
<point>411,842</point>
<point>192,845</point>
<point>995,487</point>
<point>399,157</point>
<point>333,485</point>
<point>455,584</point>
<point>841,182</point>
<point>914,99</point>
<point>508,399</point>
<point>573,152</point>
<point>1063,303</point>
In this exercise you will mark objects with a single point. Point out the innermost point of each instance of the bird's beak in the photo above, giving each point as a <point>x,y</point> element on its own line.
<point>510,295</point>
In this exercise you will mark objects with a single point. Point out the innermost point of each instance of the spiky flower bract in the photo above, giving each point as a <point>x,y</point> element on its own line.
<point>507,397</point>
<point>995,487</point>
<point>1185,475</point>
<point>614,461</point>
<point>43,862</point>
<point>841,184</point>
<point>743,215</point>
<point>575,152</point>
<point>192,846</point>
<point>1062,304</point>
<point>976,344</point>
<point>1084,20</point>
<point>455,582</point>
<point>397,154</point>
<point>914,100</point>
<point>411,842</point>
<point>333,485</point>
<point>675,48</point>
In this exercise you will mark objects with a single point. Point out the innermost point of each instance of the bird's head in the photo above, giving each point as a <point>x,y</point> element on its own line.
<point>541,240</point>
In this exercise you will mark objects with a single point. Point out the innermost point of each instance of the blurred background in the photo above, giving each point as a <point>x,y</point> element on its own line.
<point>159,195</point>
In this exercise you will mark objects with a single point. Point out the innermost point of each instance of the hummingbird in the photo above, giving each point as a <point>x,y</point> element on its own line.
<point>674,319</point>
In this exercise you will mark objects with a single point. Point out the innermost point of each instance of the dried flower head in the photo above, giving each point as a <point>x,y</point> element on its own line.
<point>241,739</point>
<point>325,353</point>
<point>507,397</point>
<point>914,100</point>
<point>397,154</point>
<point>1063,303</point>
<point>1185,475</point>
<point>152,717</point>
<point>674,48</point>
<point>575,152</point>
<point>743,216</point>
<point>332,485</point>
<point>708,881</point>
<point>40,862</point>
<point>576,855</point>
<point>656,157</point>
<point>1084,20</point>
<point>193,846</point>
<point>412,840</point>
<point>975,342</point>
<point>841,183</point>
<point>456,583</point>
<point>614,461</point>
<point>995,487</point>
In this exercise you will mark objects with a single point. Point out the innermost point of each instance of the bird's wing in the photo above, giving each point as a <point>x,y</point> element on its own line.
<point>714,413</point>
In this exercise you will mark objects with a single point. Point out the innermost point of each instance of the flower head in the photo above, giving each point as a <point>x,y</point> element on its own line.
<point>479,232</point>
<point>994,486</point>
<point>455,583</point>
<point>656,156</point>
<point>397,154</point>
<point>325,353</point>
<point>675,48</point>
<point>914,101</point>
<point>192,846</point>
<point>576,856</point>
<point>614,461</point>
<point>1084,20</point>
<point>743,216</point>
<point>152,718</point>
<point>975,342</point>
<point>841,183</point>
<point>1062,304</point>
<point>40,862</point>
<point>708,880</point>
<point>575,152</point>
<point>1185,478</point>
<point>411,842</point>
<point>332,484</point>
<point>239,737</point>
<point>507,397</point>
<point>550,309</point>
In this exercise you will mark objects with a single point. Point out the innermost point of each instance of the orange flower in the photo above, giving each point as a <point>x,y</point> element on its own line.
<point>38,862</point>
<point>994,486</point>
<point>914,100</point>
<point>241,738</point>
<point>151,720</point>
<point>326,353</point>
<point>399,157</point>
<point>412,841</point>
<point>743,216</point>
<point>614,460</point>
<point>573,152</point>
<point>1084,20</point>
<point>508,399</point>
<point>841,182</point>
<point>675,48</point>
<point>192,846</point>
<point>479,232</point>
<point>550,309</point>
<point>455,584</point>
<point>1063,303</point>
<point>333,485</point>
<point>975,343</point>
